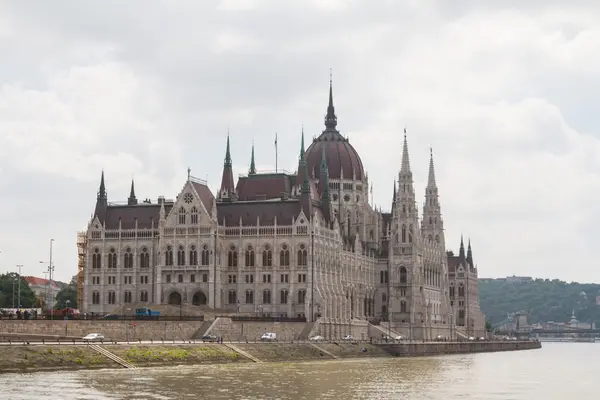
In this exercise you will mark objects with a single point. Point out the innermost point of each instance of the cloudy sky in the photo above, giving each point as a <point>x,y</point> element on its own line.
<point>504,94</point>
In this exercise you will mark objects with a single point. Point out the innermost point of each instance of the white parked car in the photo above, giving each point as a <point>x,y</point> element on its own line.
<point>348,337</point>
<point>269,337</point>
<point>93,337</point>
<point>400,337</point>
<point>317,338</point>
<point>471,338</point>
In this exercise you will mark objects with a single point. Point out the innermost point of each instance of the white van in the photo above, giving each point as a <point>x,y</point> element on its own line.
<point>269,337</point>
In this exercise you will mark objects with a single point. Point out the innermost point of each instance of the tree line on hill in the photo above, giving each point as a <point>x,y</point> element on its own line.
<point>9,294</point>
<point>542,299</point>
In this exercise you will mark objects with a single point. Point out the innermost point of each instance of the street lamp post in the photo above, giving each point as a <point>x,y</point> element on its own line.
<point>50,273</point>
<point>19,287</point>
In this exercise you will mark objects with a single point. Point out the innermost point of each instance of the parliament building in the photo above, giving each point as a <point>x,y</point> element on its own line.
<point>307,245</point>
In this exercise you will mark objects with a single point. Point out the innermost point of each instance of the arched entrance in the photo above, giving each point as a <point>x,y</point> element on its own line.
<point>175,298</point>
<point>199,299</point>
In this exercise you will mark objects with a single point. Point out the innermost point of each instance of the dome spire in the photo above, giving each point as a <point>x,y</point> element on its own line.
<point>330,118</point>
<point>252,164</point>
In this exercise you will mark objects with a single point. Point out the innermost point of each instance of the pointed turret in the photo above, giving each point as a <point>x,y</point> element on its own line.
<point>101,201</point>
<point>301,163</point>
<point>330,118</point>
<point>405,168</point>
<point>394,197</point>
<point>302,180</point>
<point>431,181</point>
<point>432,225</point>
<point>132,200</point>
<point>227,191</point>
<point>102,189</point>
<point>252,170</point>
<point>407,225</point>
<point>461,252</point>
<point>324,188</point>
<point>470,255</point>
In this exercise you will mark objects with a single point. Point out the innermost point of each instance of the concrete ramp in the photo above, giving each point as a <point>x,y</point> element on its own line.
<point>383,331</point>
<point>203,330</point>
<point>112,356</point>
<point>242,352</point>
<point>323,350</point>
<point>460,333</point>
<point>306,331</point>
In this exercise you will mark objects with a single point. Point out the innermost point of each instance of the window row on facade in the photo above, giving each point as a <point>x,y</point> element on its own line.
<point>193,256</point>
<point>111,297</point>
<point>384,276</point>
<point>127,280</point>
<point>284,297</point>
<point>461,290</point>
<point>266,278</point>
<point>266,256</point>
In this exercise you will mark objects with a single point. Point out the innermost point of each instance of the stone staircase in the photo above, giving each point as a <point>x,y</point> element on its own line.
<point>112,356</point>
<point>203,330</point>
<point>306,331</point>
<point>384,330</point>
<point>322,350</point>
<point>460,332</point>
<point>242,352</point>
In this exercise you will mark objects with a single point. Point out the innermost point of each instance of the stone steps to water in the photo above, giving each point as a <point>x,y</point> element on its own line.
<point>242,352</point>
<point>324,351</point>
<point>112,356</point>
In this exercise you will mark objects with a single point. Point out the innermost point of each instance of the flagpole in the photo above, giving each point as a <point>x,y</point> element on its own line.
<point>275,152</point>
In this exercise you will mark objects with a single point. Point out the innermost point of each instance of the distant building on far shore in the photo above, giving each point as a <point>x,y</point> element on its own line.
<point>42,287</point>
<point>512,279</point>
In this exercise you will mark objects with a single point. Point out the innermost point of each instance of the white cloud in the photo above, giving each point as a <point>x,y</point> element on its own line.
<point>499,90</point>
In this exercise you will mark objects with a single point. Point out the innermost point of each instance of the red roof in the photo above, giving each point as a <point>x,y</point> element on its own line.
<point>35,281</point>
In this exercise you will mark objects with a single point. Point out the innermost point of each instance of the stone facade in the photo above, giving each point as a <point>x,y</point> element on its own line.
<point>307,244</point>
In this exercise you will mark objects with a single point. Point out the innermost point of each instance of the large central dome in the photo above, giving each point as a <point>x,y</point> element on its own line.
<point>339,153</point>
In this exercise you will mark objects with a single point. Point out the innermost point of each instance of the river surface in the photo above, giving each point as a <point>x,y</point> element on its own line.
<point>557,371</point>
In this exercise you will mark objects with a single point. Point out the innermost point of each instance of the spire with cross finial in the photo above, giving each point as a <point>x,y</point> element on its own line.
<point>227,190</point>
<point>132,200</point>
<point>330,118</point>
<point>252,170</point>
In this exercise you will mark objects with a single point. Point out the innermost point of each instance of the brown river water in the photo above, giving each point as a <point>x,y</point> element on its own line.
<point>557,371</point>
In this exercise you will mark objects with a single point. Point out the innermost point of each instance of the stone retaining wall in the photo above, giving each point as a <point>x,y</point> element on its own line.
<point>428,349</point>
<point>252,331</point>
<point>112,330</point>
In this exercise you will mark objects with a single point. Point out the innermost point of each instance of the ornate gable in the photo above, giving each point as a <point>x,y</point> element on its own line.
<point>189,207</point>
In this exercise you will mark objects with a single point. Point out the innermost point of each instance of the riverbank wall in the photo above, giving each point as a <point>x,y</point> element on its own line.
<point>33,358</point>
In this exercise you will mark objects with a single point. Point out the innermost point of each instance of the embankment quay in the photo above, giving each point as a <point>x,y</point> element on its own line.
<point>50,345</point>
<point>35,356</point>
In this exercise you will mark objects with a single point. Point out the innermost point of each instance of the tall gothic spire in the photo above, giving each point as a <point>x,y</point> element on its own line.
<point>405,169</point>
<point>470,254</point>
<point>324,187</point>
<point>102,189</point>
<point>132,200</point>
<point>101,201</point>
<point>228,153</point>
<point>394,196</point>
<point>330,118</point>
<point>252,164</point>
<point>461,252</point>
<point>431,181</point>
<point>227,190</point>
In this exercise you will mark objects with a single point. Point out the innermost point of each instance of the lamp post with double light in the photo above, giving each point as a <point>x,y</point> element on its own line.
<point>50,275</point>
<point>19,287</point>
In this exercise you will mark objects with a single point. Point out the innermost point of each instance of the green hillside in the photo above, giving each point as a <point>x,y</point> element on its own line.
<point>543,299</point>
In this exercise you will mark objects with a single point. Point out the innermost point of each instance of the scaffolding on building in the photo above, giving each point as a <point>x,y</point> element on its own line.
<point>81,261</point>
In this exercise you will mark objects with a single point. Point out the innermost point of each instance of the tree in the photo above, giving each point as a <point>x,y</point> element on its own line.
<point>541,299</point>
<point>9,291</point>
<point>488,326</point>
<point>67,297</point>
